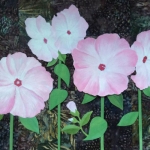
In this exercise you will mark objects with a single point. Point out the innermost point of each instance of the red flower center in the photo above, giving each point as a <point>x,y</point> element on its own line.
<point>101,67</point>
<point>45,41</point>
<point>18,82</point>
<point>68,32</point>
<point>144,59</point>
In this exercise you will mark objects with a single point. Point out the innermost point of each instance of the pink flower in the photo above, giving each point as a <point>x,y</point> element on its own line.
<point>103,64</point>
<point>69,28</point>
<point>24,85</point>
<point>72,106</point>
<point>142,48</point>
<point>42,43</point>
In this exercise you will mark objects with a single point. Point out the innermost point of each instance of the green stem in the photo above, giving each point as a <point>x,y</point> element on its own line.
<point>102,115</point>
<point>79,122</point>
<point>11,132</point>
<point>83,131</point>
<point>140,120</point>
<point>59,127</point>
<point>59,117</point>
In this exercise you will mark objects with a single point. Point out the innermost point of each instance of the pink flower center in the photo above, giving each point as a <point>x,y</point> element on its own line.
<point>68,32</point>
<point>101,67</point>
<point>18,82</point>
<point>45,41</point>
<point>144,59</point>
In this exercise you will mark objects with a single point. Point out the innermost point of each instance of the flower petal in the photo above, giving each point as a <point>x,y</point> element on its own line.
<point>15,61</point>
<point>65,44</point>
<point>43,27</point>
<point>72,15</point>
<point>88,84</point>
<point>102,85</point>
<point>5,76</point>
<point>144,38</point>
<point>79,31</point>
<point>141,79</point>
<point>52,48</point>
<point>32,29</point>
<point>108,45</point>
<point>85,55</point>
<point>35,46</point>
<point>39,81</point>
<point>59,24</point>
<point>139,49</point>
<point>71,106</point>
<point>27,103</point>
<point>123,63</point>
<point>112,83</point>
<point>40,49</point>
<point>7,98</point>
<point>18,64</point>
<point>76,24</point>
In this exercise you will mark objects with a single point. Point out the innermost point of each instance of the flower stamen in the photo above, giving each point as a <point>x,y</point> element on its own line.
<point>68,32</point>
<point>18,82</point>
<point>45,41</point>
<point>144,59</point>
<point>101,67</point>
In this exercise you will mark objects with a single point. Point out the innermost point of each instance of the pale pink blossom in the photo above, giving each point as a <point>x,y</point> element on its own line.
<point>142,48</point>
<point>24,85</point>
<point>103,64</point>
<point>69,29</point>
<point>43,41</point>
<point>72,106</point>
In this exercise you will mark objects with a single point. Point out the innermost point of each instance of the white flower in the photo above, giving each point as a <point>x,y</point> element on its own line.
<point>69,29</point>
<point>72,106</point>
<point>71,119</point>
<point>42,43</point>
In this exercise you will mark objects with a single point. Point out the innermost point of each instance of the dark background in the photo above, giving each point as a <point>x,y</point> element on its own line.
<point>125,17</point>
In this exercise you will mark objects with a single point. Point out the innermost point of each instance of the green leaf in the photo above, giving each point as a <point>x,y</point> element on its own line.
<point>98,127</point>
<point>88,98</point>
<point>75,120</point>
<point>128,119</point>
<point>116,100</point>
<point>57,96</point>
<point>30,124</point>
<point>53,62</point>
<point>76,113</point>
<point>71,129</point>
<point>62,71</point>
<point>1,117</point>
<point>85,119</point>
<point>62,57</point>
<point>147,91</point>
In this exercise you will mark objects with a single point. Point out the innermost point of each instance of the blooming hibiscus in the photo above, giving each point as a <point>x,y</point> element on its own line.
<point>42,43</point>
<point>24,85</point>
<point>142,48</point>
<point>103,64</point>
<point>69,29</point>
